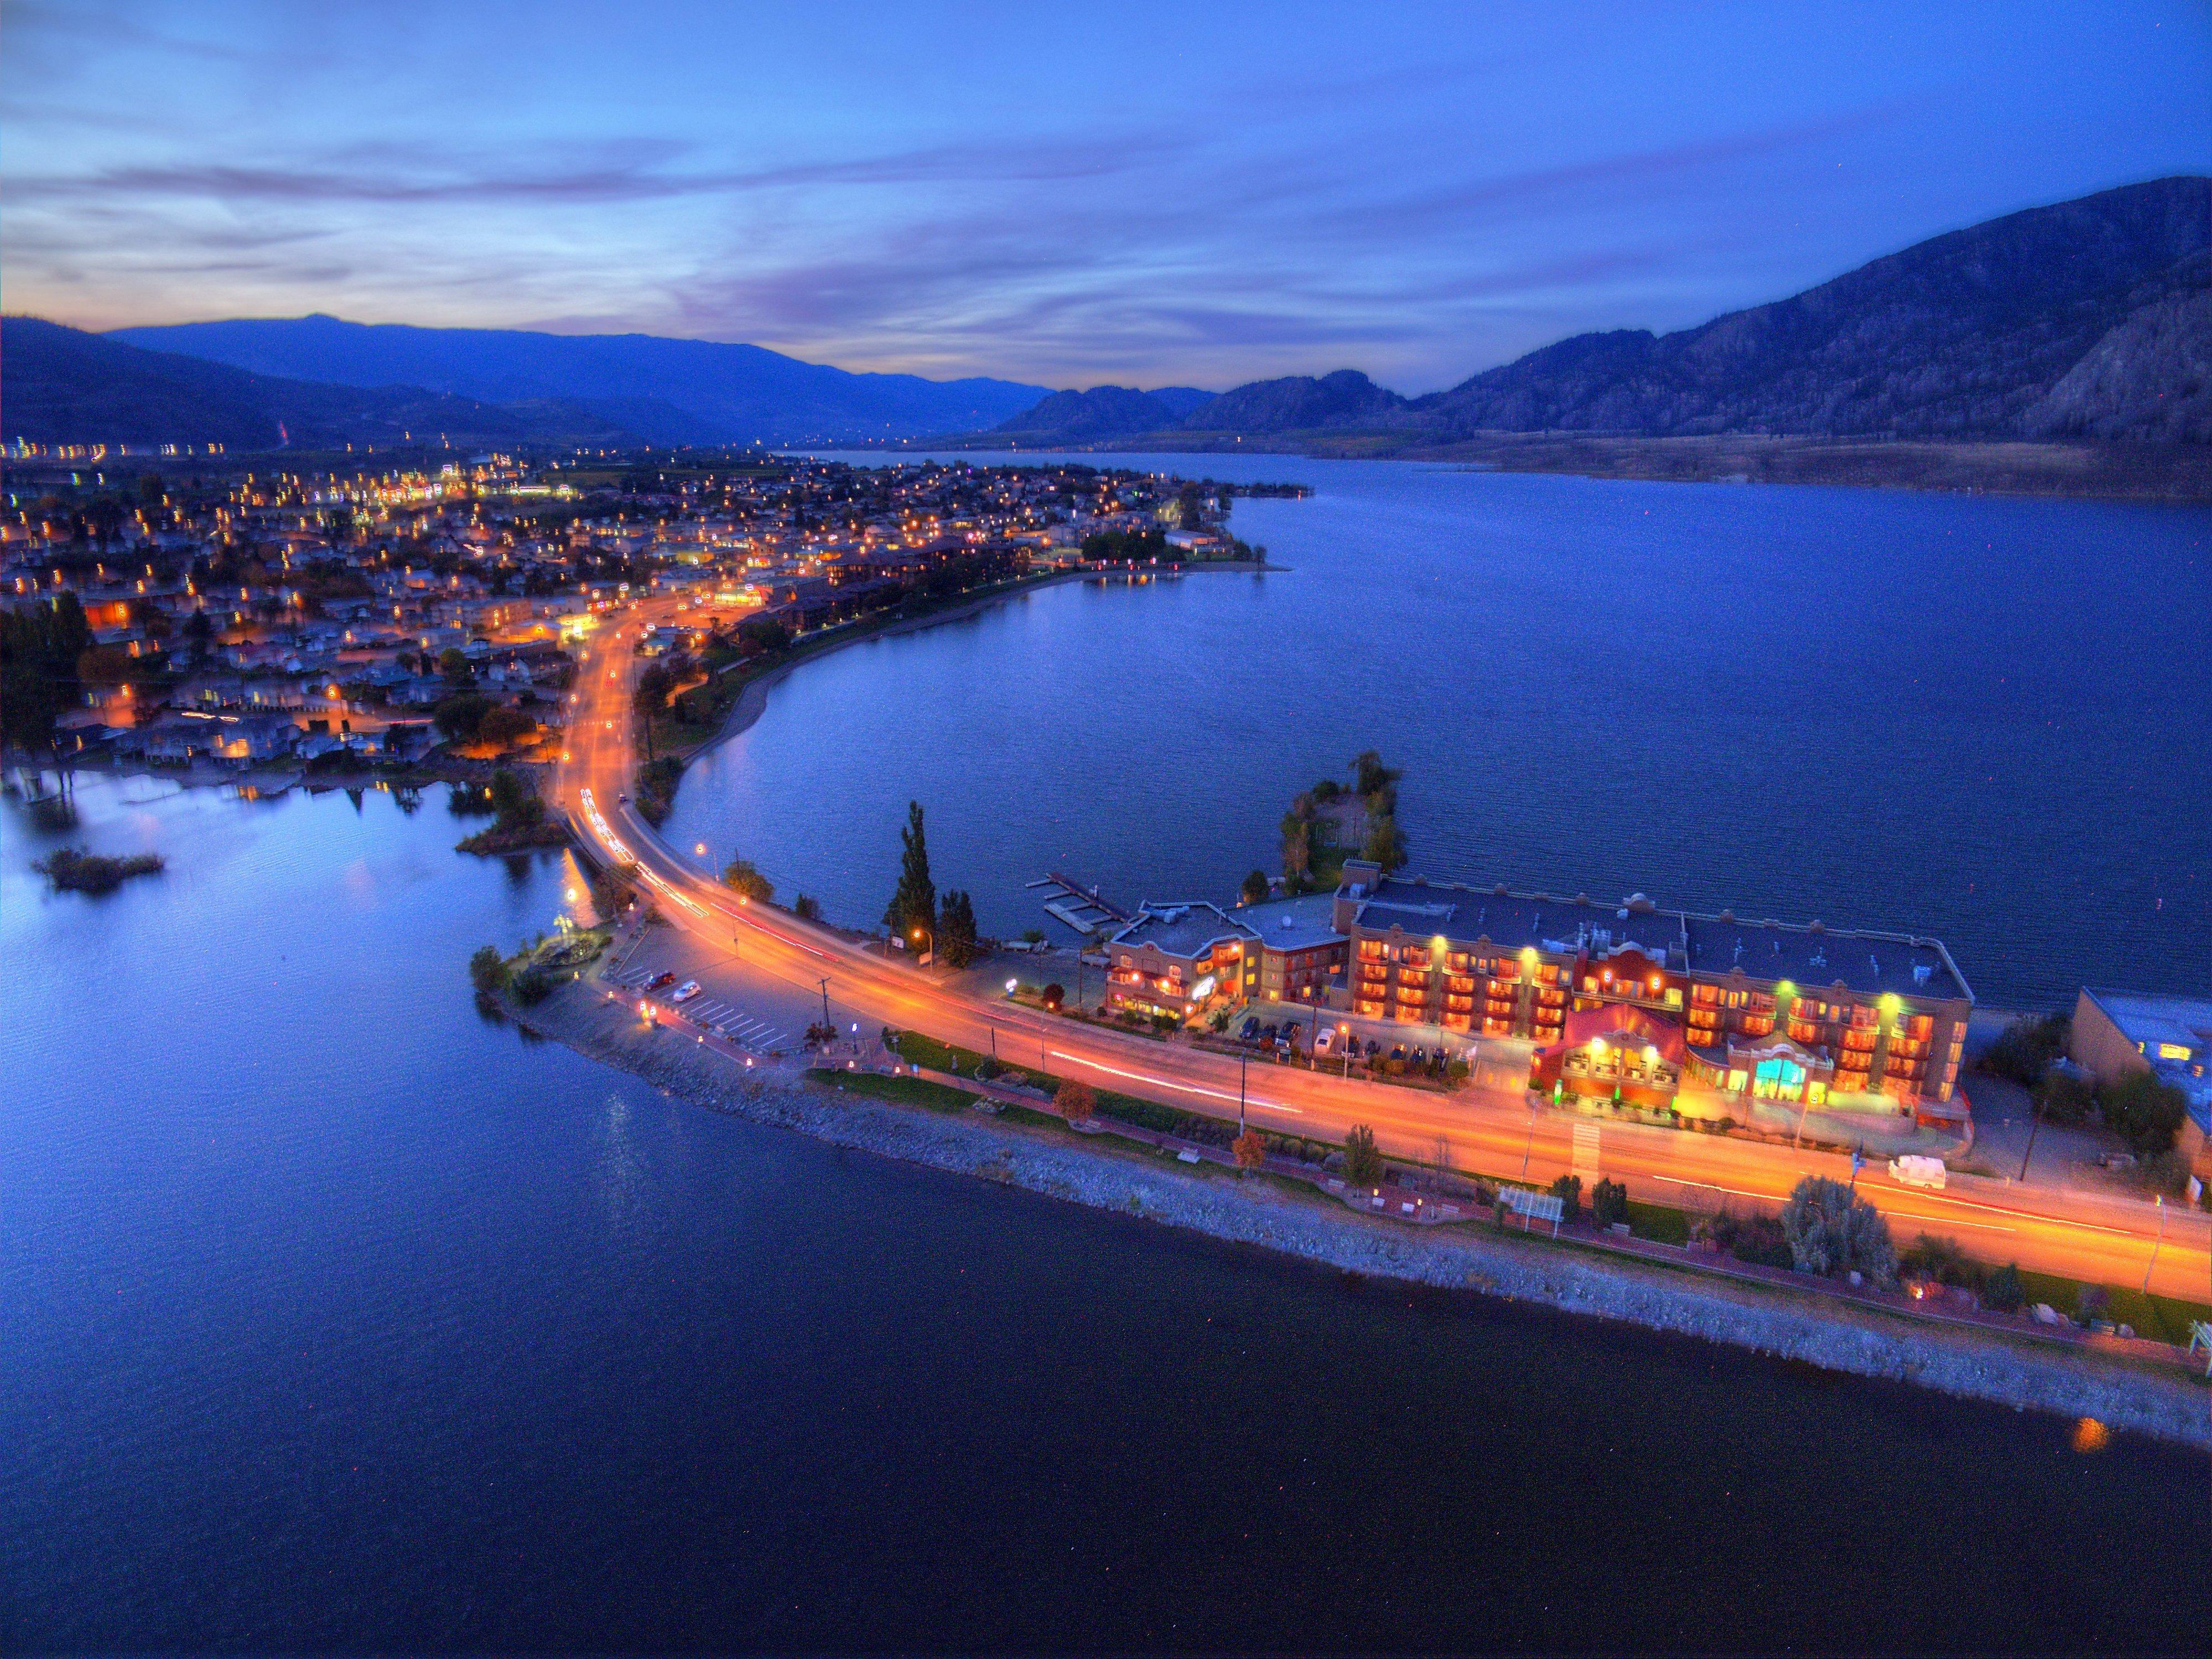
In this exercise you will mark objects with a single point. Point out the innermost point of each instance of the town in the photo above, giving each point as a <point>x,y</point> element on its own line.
<point>231,614</point>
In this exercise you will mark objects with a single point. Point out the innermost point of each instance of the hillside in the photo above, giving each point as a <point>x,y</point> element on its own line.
<point>1962,336</point>
<point>674,390</point>
<point>64,386</point>
<point>1103,411</point>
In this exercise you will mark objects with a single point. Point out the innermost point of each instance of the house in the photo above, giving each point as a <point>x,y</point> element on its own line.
<point>2115,1033</point>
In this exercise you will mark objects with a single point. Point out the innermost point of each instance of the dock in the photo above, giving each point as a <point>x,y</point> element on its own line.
<point>1077,907</point>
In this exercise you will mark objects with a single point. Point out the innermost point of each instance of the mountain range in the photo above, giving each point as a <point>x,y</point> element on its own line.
<point>2090,319</point>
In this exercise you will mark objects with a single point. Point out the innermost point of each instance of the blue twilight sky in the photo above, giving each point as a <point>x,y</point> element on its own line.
<point>1140,193</point>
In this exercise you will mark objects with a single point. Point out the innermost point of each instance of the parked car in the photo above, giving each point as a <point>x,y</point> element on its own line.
<point>1326,1043</point>
<point>1250,1028</point>
<point>659,980</point>
<point>621,800</point>
<point>684,992</point>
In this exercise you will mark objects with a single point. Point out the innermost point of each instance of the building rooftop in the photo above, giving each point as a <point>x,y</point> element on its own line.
<point>1183,930</point>
<point>1810,955</point>
<point>1292,924</point>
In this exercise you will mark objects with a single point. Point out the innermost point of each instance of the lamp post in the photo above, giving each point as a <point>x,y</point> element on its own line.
<point>2034,1122</point>
<point>1244,1060</point>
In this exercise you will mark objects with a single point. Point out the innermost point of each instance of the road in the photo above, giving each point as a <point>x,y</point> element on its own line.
<point>2102,1239</point>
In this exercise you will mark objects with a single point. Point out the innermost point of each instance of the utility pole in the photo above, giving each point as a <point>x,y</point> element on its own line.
<point>825,1002</point>
<point>1243,1060</point>
<point>2034,1122</point>
<point>2156,1246</point>
<point>1530,1145</point>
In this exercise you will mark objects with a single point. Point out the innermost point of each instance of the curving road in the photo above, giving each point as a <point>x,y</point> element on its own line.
<point>2087,1236</point>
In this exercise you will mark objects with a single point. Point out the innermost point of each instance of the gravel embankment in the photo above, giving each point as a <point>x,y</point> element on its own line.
<point>1957,1362</point>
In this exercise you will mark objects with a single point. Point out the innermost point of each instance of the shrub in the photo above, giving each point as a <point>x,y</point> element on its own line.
<point>1250,1149</point>
<point>1939,1259</point>
<point>1077,1103</point>
<point>806,907</point>
<point>2004,1291</point>
<point>741,877</point>
<point>1609,1202</point>
<point>532,986</point>
<point>2145,1107</point>
<point>1568,1189</point>
<point>1165,1024</point>
<point>2064,1098</point>
<point>2027,1047</point>
<point>487,969</point>
<point>1363,1163</point>
<point>1053,995</point>
<point>1830,1229</point>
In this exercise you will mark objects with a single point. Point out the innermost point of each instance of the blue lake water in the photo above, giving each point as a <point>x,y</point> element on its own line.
<point>334,1316</point>
<point>1982,719</point>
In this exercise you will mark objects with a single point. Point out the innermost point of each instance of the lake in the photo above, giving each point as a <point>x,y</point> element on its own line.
<point>333,1316</point>
<point>1978,718</point>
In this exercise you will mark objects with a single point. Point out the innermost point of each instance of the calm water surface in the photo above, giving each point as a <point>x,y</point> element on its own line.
<point>332,1317</point>
<point>1984,720</point>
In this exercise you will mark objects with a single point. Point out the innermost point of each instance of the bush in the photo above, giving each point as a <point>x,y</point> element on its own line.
<point>1941,1259</point>
<point>1250,1149</point>
<point>533,985</point>
<point>741,877</point>
<point>1053,995</point>
<point>1832,1229</point>
<point>806,907</point>
<point>2145,1107</point>
<point>2027,1047</point>
<point>1077,1103</point>
<point>1568,1189</point>
<point>2064,1098</point>
<point>487,969</point>
<point>1609,1202</point>
<point>1363,1163</point>
<point>2004,1291</point>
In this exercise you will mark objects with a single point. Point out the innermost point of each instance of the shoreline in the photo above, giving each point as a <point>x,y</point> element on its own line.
<point>752,700</point>
<point>1657,1296</point>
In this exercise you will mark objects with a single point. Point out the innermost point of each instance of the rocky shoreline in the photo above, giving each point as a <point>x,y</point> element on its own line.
<point>1966,1363</point>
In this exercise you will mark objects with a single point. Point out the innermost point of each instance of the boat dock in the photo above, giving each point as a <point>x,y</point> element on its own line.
<point>1077,907</point>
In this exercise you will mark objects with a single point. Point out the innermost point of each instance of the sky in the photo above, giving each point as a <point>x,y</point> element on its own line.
<point>1132,193</point>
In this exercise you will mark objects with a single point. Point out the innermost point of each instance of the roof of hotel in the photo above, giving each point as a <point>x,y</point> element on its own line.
<point>1181,930</point>
<point>1812,956</point>
<point>1292,924</point>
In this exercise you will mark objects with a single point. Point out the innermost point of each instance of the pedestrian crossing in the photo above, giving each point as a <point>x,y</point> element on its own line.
<point>725,1019</point>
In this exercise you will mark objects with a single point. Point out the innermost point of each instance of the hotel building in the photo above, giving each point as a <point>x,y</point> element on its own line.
<point>1629,1000</point>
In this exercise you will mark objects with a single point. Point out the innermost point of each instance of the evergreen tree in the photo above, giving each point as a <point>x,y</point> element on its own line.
<point>956,930</point>
<point>914,906</point>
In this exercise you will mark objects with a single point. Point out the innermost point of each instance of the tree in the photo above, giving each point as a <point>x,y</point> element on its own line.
<point>507,792</point>
<point>653,689</point>
<point>956,930</point>
<point>764,634</point>
<point>502,725</point>
<point>2146,1108</point>
<point>1076,1101</point>
<point>1363,1162</point>
<point>1255,887</point>
<point>1053,995</point>
<point>2004,1289</point>
<point>1298,850</point>
<point>487,969</point>
<point>806,907</point>
<point>457,716</point>
<point>1374,776</point>
<point>455,667</point>
<point>1609,1202</point>
<point>740,876</point>
<point>1250,1150</point>
<point>912,913</point>
<point>1568,1189</point>
<point>1383,845</point>
<point>1830,1230</point>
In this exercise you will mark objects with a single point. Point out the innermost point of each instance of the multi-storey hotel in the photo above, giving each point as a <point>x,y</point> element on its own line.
<point>1628,1000</point>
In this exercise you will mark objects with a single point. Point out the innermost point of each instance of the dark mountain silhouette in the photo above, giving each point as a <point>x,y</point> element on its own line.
<point>1180,399</point>
<point>679,390</point>
<point>1297,402</point>
<point>1104,411</point>
<point>1967,335</point>
<point>64,386</point>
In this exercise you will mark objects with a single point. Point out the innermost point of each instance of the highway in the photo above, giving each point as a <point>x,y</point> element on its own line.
<point>1487,1131</point>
